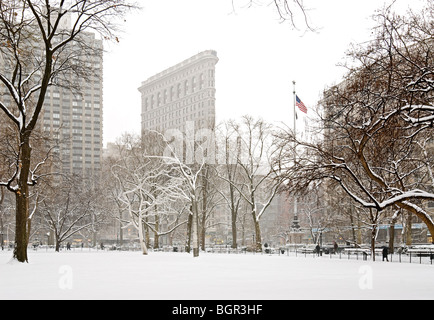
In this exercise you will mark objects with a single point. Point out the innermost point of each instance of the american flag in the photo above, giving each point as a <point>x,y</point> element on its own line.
<point>300,104</point>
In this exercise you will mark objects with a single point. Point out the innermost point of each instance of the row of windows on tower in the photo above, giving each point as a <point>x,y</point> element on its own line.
<point>176,92</point>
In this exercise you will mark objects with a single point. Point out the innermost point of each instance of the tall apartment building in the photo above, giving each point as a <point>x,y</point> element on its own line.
<point>183,93</point>
<point>73,119</point>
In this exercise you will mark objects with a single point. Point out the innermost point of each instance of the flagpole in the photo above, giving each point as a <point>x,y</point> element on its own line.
<point>295,224</point>
<point>295,111</point>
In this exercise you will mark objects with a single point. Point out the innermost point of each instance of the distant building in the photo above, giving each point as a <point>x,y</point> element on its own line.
<point>76,119</point>
<point>73,119</point>
<point>181,94</point>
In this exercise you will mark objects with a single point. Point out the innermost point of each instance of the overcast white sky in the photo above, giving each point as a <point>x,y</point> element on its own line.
<point>259,55</point>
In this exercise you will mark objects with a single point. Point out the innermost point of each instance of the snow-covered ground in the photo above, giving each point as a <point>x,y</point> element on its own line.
<point>179,276</point>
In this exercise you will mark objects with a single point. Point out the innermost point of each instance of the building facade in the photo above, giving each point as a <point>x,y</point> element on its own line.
<point>74,119</point>
<point>181,94</point>
<point>73,108</point>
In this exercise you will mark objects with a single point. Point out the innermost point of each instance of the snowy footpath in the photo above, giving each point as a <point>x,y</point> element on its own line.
<point>178,276</point>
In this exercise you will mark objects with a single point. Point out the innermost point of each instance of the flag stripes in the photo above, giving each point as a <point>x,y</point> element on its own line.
<point>300,104</point>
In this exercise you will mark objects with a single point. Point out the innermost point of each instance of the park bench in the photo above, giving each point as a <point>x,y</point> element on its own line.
<point>421,252</point>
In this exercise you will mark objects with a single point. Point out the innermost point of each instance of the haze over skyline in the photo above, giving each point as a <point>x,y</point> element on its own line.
<point>259,55</point>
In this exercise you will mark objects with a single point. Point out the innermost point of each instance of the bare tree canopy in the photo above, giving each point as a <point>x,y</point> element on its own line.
<point>41,45</point>
<point>292,11</point>
<point>377,125</point>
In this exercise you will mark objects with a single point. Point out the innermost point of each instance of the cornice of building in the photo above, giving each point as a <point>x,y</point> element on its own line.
<point>208,54</point>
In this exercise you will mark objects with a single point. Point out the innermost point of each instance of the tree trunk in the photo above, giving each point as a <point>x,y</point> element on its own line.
<point>234,229</point>
<point>234,214</point>
<point>204,211</point>
<point>373,236</point>
<point>195,230</point>
<point>189,228</point>
<point>2,197</point>
<point>258,236</point>
<point>156,234</point>
<point>353,229</point>
<point>121,233</point>
<point>392,237</point>
<point>203,232</point>
<point>408,226</point>
<point>142,238</point>
<point>258,240</point>
<point>57,245</point>
<point>21,238</point>
<point>243,230</point>
<point>359,229</point>
<point>156,240</point>
<point>22,202</point>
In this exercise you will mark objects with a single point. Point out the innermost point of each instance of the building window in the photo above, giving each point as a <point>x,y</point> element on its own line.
<point>185,87</point>
<point>193,85</point>
<point>158,99</point>
<point>201,81</point>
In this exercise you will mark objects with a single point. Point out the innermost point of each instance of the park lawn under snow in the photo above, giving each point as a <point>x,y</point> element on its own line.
<point>179,276</point>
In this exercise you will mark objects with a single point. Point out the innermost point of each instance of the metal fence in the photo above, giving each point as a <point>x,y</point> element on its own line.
<point>408,257</point>
<point>419,256</point>
<point>415,256</point>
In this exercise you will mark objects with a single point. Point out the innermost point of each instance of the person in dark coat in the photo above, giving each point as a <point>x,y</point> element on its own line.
<point>335,247</point>
<point>385,253</point>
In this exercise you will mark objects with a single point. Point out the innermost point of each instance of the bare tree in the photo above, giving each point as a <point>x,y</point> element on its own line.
<point>260,178</point>
<point>69,210</point>
<point>287,10</point>
<point>229,172</point>
<point>210,199</point>
<point>190,173</point>
<point>35,37</point>
<point>191,158</point>
<point>376,123</point>
<point>149,190</point>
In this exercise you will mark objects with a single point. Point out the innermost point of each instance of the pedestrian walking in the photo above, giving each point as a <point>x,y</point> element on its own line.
<point>318,249</point>
<point>385,253</point>
<point>335,247</point>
